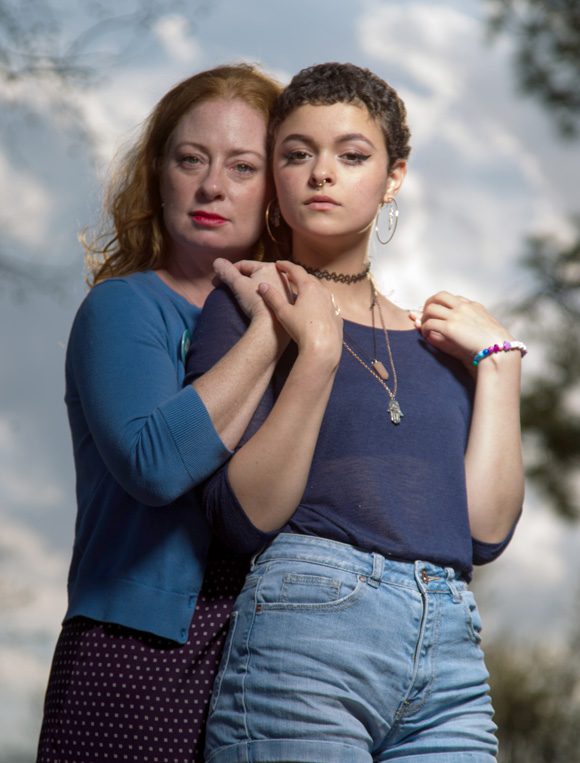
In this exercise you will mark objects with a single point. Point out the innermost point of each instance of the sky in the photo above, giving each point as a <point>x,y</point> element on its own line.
<point>486,170</point>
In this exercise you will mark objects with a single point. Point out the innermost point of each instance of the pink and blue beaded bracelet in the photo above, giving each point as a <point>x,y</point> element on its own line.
<point>503,347</point>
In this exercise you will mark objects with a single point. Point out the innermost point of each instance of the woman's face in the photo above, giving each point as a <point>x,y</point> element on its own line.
<point>343,146</point>
<point>214,180</point>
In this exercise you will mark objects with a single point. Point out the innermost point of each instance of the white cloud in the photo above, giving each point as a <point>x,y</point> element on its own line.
<point>30,490</point>
<point>26,205</point>
<point>21,485</point>
<point>480,183</point>
<point>32,590</point>
<point>32,602</point>
<point>428,40</point>
<point>172,31</point>
<point>5,434</point>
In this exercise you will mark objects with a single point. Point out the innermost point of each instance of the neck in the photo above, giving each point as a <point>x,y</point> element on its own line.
<point>343,260</point>
<point>191,278</point>
<point>354,299</point>
<point>327,255</point>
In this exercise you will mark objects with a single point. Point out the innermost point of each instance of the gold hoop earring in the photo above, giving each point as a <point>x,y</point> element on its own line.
<point>392,218</point>
<point>275,221</point>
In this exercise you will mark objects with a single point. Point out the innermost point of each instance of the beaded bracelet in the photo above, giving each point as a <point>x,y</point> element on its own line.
<point>504,347</point>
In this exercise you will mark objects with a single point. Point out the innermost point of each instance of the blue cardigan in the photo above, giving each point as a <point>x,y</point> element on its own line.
<point>141,444</point>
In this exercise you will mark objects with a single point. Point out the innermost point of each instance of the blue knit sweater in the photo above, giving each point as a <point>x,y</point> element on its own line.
<point>141,444</point>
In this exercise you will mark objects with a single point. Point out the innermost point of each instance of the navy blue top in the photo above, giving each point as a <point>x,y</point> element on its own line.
<point>398,490</point>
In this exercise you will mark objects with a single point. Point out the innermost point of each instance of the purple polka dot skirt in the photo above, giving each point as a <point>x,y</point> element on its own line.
<point>116,694</point>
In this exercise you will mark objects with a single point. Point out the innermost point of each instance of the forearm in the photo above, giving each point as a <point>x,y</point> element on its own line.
<point>232,389</point>
<point>493,460</point>
<point>268,474</point>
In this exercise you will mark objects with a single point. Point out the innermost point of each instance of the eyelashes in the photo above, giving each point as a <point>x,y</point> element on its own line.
<point>193,162</point>
<point>298,156</point>
<point>354,157</point>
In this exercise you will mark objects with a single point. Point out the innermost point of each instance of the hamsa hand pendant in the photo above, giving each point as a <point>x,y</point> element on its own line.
<point>395,411</point>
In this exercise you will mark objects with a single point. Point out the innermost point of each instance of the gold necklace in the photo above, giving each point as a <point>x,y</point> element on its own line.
<point>376,368</point>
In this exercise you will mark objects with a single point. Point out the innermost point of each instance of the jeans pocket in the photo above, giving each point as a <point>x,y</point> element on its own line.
<point>472,615</point>
<point>307,587</point>
<point>217,687</point>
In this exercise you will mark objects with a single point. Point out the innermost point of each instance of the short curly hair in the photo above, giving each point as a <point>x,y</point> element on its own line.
<point>326,84</point>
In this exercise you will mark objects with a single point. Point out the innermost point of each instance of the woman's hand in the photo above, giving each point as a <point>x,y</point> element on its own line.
<point>243,277</point>
<point>269,473</point>
<point>311,318</point>
<point>458,326</point>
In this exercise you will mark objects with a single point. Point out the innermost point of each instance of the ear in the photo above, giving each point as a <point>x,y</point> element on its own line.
<point>395,179</point>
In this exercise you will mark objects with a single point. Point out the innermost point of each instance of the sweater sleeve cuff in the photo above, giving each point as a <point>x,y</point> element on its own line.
<point>194,434</point>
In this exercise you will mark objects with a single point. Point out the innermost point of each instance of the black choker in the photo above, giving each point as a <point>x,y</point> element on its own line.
<point>327,275</point>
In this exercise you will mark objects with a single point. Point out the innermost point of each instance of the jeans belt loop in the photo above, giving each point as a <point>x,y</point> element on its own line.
<point>377,573</point>
<point>254,559</point>
<point>451,582</point>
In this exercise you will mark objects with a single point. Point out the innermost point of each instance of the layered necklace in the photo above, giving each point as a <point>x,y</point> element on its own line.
<point>375,367</point>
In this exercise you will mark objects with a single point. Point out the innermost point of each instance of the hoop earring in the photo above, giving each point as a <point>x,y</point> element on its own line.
<point>392,219</point>
<point>275,221</point>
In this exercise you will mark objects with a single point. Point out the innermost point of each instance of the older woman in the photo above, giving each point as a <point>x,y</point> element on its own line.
<point>148,598</point>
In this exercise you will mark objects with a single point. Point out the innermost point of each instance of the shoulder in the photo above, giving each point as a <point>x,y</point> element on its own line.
<point>431,378</point>
<point>122,299</point>
<point>222,298</point>
<point>118,310</point>
<point>220,326</point>
<point>123,292</point>
<point>221,305</point>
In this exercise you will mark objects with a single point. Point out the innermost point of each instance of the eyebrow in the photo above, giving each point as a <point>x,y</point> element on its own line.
<point>340,139</point>
<point>233,152</point>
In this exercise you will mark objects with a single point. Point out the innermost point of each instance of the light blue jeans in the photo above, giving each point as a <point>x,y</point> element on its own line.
<point>338,655</point>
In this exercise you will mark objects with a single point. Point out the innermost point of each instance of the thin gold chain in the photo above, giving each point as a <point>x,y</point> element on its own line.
<point>369,369</point>
<point>374,301</point>
<point>387,340</point>
<point>394,408</point>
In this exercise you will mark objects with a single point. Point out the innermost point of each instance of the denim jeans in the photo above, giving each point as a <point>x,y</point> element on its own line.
<point>339,655</point>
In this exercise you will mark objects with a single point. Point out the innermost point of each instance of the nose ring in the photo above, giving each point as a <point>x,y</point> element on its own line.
<point>321,183</point>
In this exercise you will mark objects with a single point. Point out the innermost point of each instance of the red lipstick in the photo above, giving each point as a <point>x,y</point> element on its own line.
<point>207,219</point>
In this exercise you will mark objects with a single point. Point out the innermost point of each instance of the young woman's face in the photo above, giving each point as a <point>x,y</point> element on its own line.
<point>330,170</point>
<point>214,180</point>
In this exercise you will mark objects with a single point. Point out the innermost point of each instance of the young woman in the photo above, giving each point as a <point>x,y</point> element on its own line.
<point>379,467</point>
<point>148,601</point>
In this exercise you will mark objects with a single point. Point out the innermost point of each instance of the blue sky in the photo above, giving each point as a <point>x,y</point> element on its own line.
<point>486,170</point>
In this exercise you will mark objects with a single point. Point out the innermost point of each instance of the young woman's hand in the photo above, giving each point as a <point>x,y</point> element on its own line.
<point>458,326</point>
<point>312,319</point>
